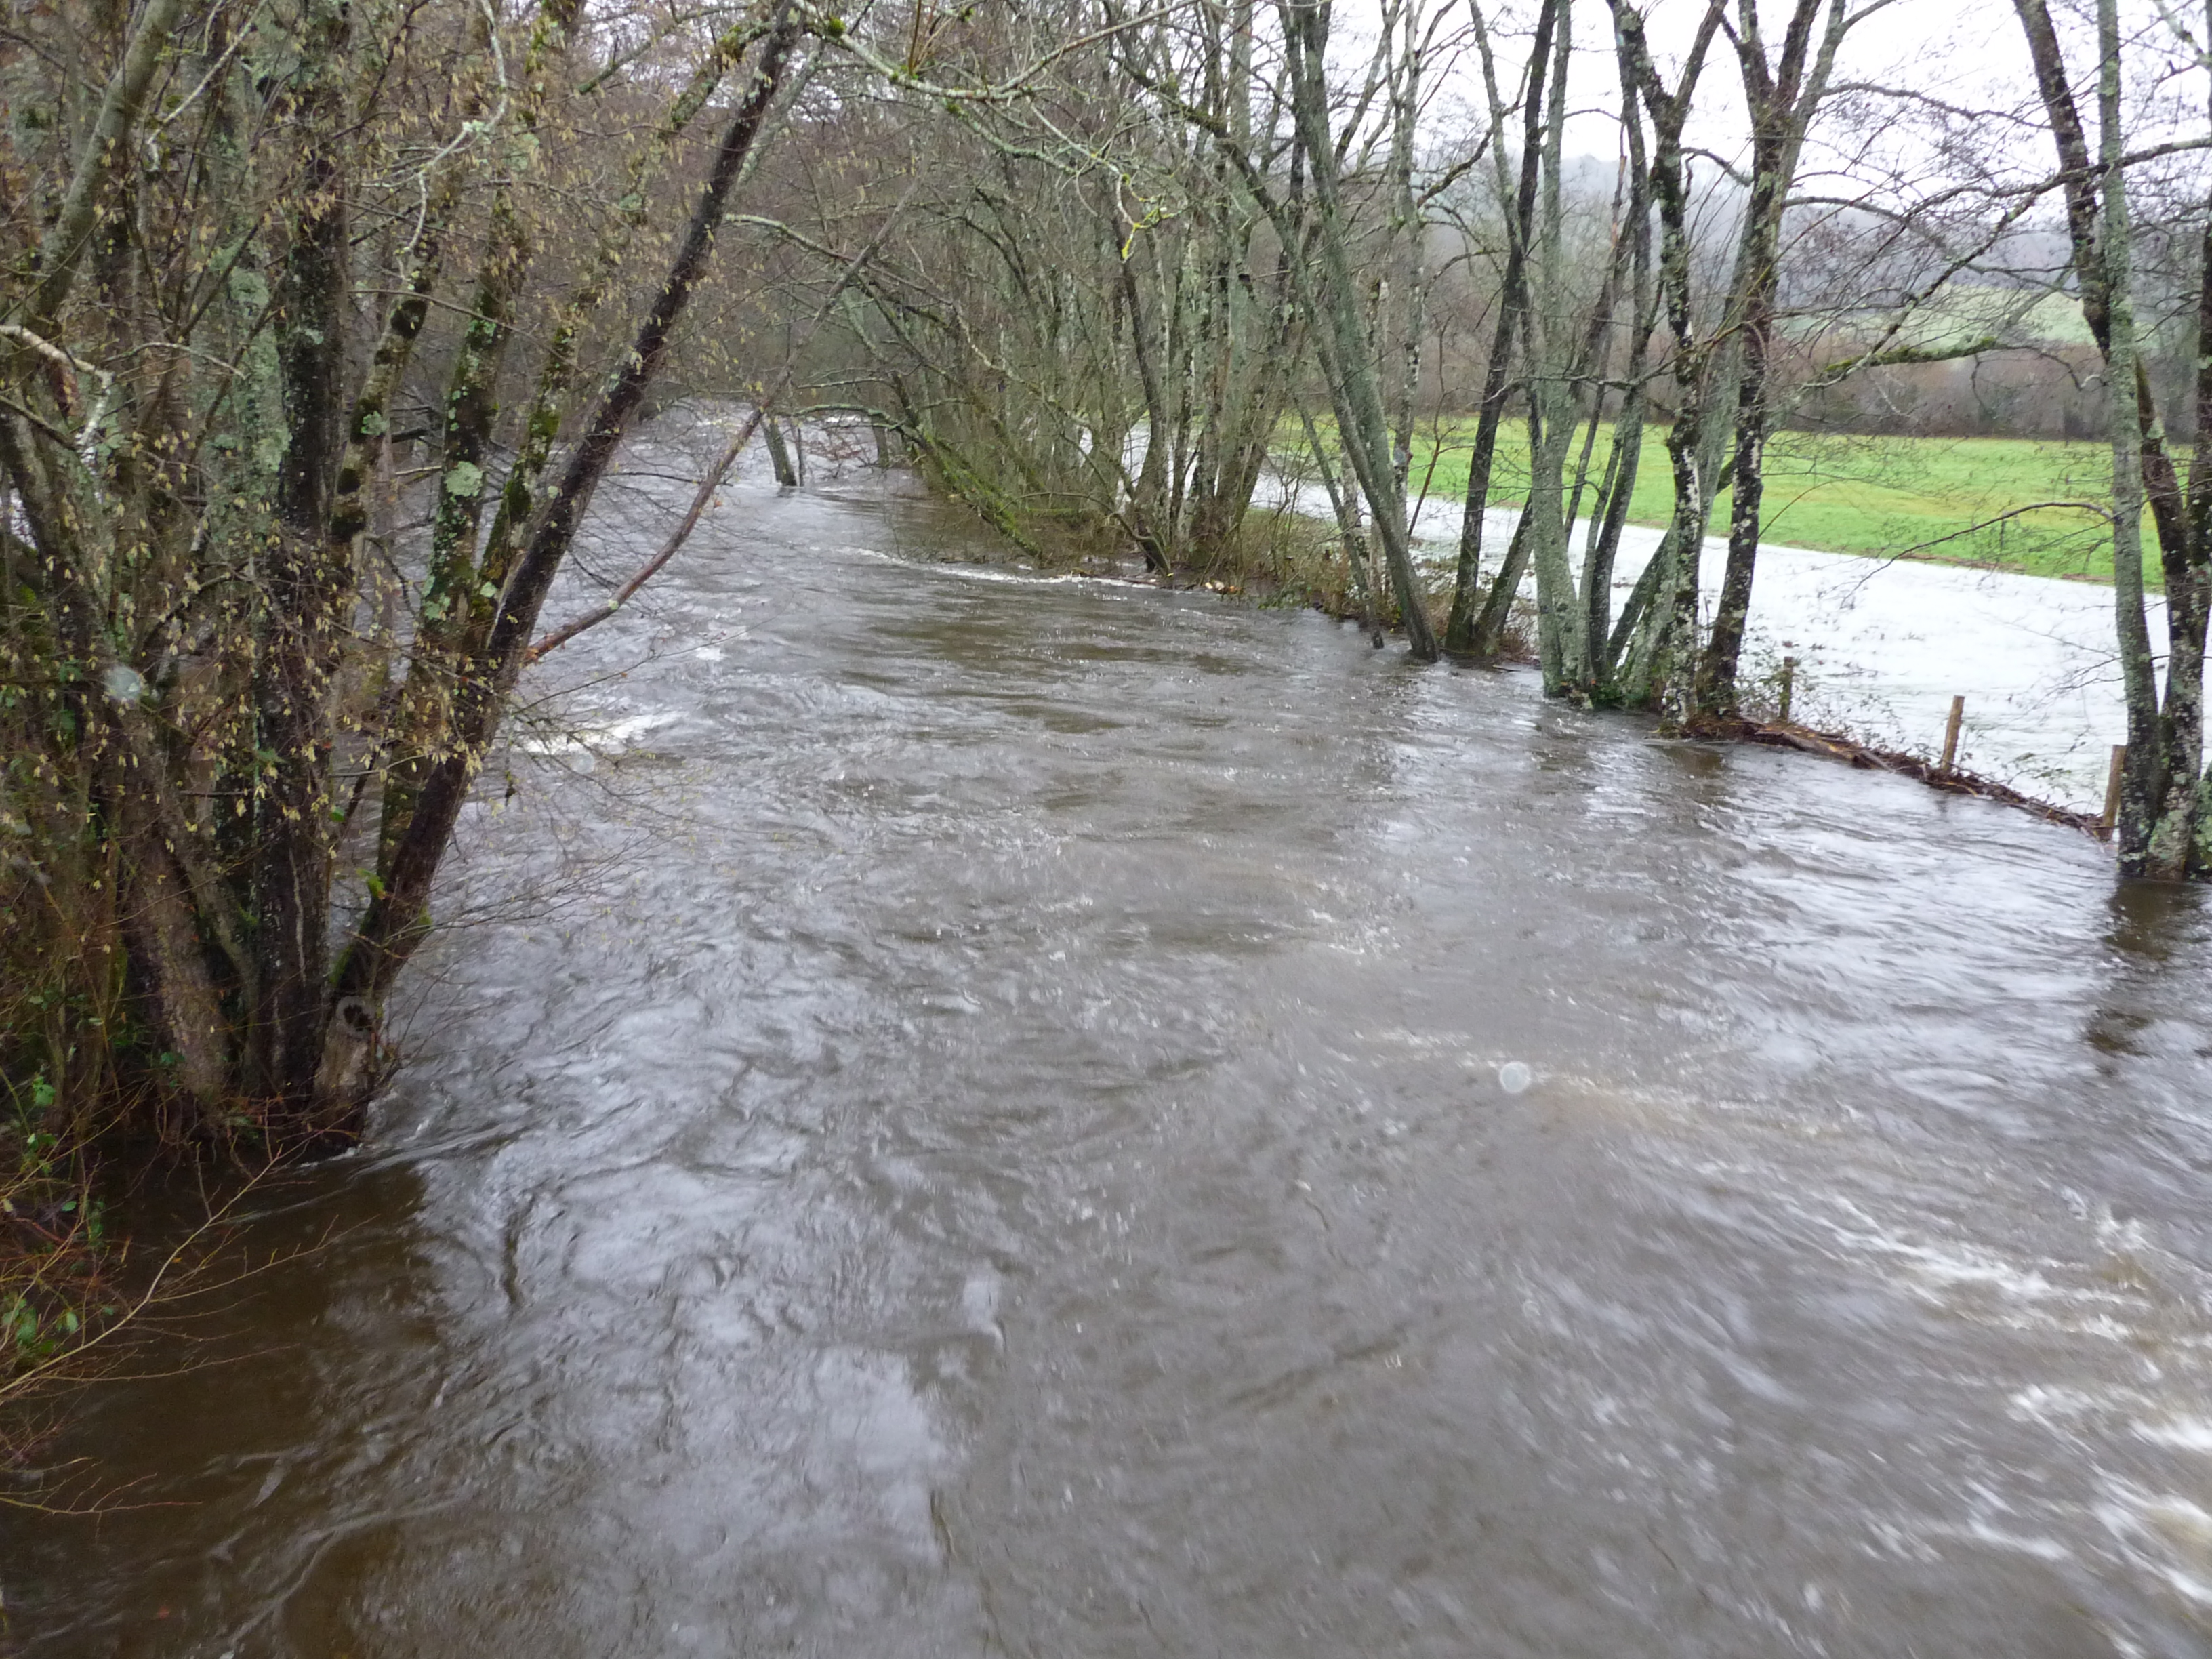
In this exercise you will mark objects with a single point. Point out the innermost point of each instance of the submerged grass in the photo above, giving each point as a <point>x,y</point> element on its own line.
<point>2000,503</point>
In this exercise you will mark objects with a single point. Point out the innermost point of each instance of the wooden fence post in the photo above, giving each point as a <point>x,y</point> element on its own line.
<point>1951,734</point>
<point>2111,815</point>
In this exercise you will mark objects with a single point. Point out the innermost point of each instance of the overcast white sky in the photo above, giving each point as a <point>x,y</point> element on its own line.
<point>1967,52</point>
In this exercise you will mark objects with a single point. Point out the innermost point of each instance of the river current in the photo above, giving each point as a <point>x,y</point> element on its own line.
<point>966,1118</point>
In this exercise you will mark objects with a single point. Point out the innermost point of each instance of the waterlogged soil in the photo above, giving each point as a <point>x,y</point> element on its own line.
<point>967,1119</point>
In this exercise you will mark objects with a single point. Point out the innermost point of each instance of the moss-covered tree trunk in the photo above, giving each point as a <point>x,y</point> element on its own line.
<point>1783,97</point>
<point>2163,831</point>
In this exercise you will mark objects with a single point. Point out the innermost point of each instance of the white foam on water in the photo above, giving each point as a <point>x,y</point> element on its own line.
<point>2054,1406</point>
<point>2042,1548</point>
<point>598,738</point>
<point>2182,1433</point>
<point>2166,1533</point>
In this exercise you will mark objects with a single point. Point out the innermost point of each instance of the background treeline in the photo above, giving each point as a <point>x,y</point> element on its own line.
<point>325,319</point>
<point>1137,272</point>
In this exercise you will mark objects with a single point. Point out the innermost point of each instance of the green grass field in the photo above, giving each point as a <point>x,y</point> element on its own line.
<point>1921,498</point>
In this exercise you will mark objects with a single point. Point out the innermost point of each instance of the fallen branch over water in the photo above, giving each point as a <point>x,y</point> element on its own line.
<point>1836,746</point>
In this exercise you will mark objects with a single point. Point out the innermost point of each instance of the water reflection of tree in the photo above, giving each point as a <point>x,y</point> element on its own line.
<point>2154,933</point>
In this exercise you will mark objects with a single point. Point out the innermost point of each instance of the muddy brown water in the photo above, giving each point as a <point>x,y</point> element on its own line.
<point>970,1124</point>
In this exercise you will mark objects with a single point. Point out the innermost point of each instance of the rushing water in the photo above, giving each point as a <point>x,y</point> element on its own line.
<point>970,1122</point>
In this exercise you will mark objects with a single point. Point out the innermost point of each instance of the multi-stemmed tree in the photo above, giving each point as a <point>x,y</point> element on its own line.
<point>242,711</point>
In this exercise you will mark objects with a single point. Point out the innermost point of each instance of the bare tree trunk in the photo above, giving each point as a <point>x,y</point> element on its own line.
<point>1408,262</point>
<point>1563,641</point>
<point>2189,587</point>
<point>1675,603</point>
<point>1461,630</point>
<point>1145,495</point>
<point>2141,788</point>
<point>394,923</point>
<point>310,593</point>
<point>2163,824</point>
<point>1612,515</point>
<point>1346,358</point>
<point>1345,506</point>
<point>779,453</point>
<point>1783,98</point>
<point>104,161</point>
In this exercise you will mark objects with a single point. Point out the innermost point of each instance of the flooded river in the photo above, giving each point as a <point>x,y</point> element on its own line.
<point>1883,645</point>
<point>968,1120</point>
